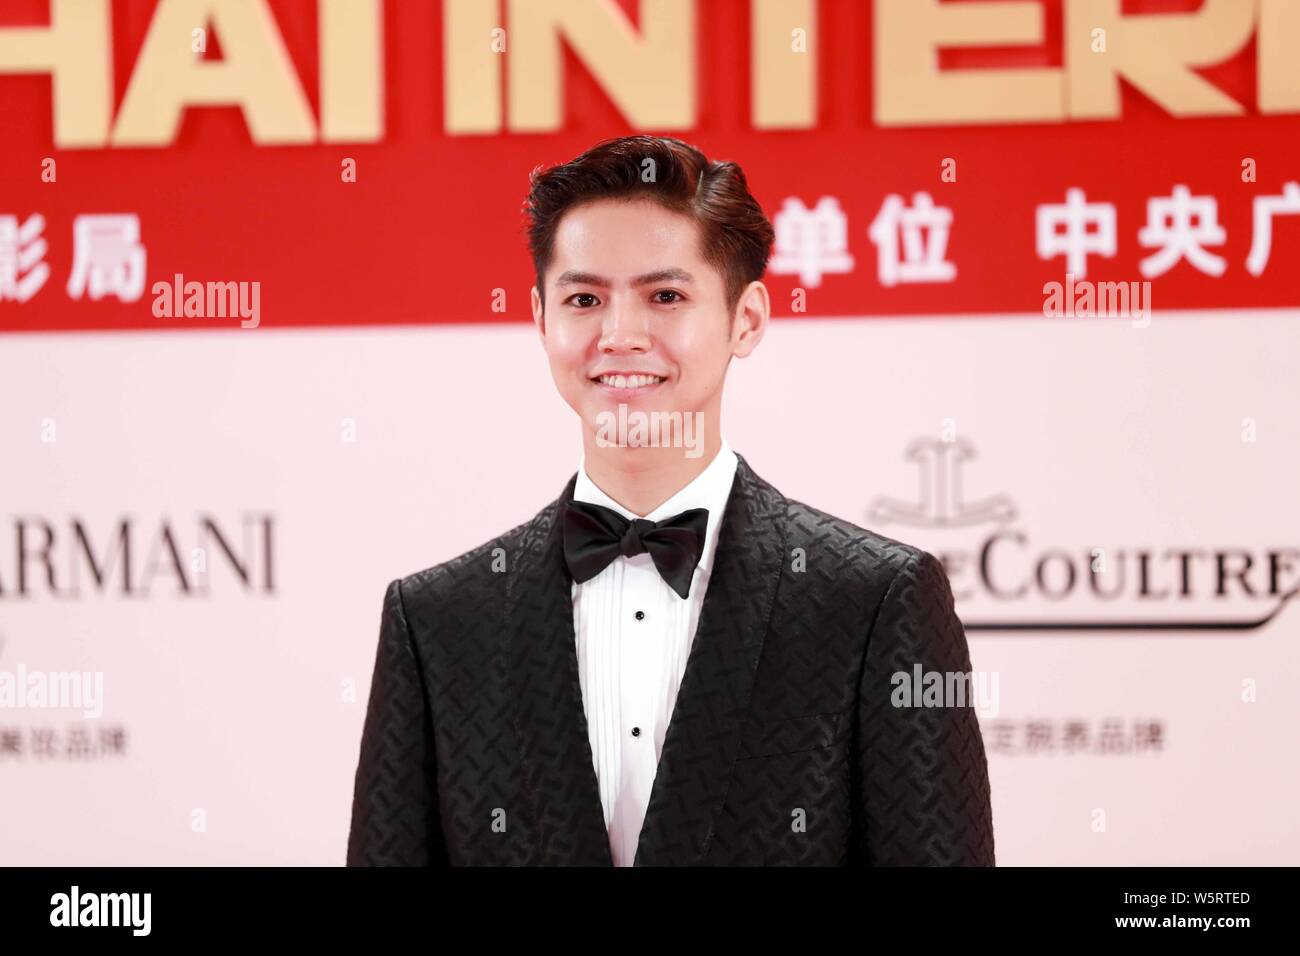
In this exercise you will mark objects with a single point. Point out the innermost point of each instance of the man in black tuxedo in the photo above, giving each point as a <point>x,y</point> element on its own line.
<point>672,663</point>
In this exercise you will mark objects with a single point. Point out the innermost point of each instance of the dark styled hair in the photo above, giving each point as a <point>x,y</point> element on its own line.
<point>736,236</point>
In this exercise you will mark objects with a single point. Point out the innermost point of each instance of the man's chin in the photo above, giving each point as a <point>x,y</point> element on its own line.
<point>644,425</point>
<point>638,406</point>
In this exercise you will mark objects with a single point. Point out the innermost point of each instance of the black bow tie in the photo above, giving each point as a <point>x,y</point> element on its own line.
<point>594,536</point>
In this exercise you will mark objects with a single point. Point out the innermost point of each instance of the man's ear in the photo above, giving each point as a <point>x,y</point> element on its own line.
<point>539,314</point>
<point>753,310</point>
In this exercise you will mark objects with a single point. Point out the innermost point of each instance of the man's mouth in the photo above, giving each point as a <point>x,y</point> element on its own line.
<point>625,381</point>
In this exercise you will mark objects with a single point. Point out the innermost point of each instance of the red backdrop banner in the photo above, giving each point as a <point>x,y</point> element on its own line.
<point>918,219</point>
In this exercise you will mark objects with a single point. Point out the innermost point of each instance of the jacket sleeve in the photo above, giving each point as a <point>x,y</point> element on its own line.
<point>922,786</point>
<point>395,820</point>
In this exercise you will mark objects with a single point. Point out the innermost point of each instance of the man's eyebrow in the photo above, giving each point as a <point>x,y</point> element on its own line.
<point>664,275</point>
<point>575,277</point>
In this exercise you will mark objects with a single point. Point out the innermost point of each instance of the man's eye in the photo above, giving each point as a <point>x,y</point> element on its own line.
<point>583,300</point>
<point>668,296</point>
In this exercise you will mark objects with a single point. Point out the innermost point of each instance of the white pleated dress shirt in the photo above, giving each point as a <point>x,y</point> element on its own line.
<point>629,668</point>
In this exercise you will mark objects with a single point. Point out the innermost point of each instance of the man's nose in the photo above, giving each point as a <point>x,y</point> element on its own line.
<point>625,329</point>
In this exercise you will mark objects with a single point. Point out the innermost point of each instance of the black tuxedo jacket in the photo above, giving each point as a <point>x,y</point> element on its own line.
<point>783,746</point>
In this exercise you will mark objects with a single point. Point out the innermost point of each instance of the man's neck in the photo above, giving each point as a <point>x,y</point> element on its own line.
<point>641,479</point>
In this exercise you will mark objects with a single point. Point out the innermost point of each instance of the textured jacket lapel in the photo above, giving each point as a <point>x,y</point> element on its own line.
<point>703,733</point>
<point>559,775</point>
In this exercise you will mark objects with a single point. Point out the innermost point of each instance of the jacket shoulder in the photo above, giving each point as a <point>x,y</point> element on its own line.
<point>464,574</point>
<point>849,541</point>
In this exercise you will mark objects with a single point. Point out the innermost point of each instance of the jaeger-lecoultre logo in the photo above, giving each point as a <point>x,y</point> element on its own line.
<point>1004,569</point>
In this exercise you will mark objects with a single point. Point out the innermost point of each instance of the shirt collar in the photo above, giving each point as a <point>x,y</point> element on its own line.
<point>710,490</point>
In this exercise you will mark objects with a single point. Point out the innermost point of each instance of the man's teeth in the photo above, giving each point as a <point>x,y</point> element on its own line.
<point>630,381</point>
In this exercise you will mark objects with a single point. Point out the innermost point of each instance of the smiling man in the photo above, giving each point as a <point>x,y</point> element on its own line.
<point>672,663</point>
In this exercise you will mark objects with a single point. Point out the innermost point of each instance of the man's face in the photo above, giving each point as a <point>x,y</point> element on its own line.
<point>635,315</point>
